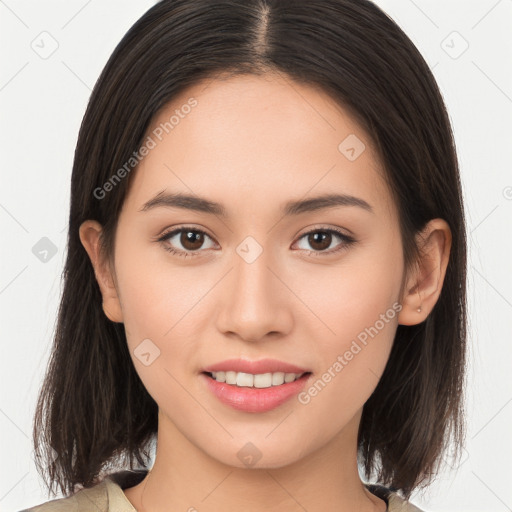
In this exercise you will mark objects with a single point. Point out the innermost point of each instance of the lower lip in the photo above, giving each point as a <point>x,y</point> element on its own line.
<point>255,399</point>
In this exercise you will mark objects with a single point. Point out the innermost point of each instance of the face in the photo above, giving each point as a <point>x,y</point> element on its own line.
<point>315,288</point>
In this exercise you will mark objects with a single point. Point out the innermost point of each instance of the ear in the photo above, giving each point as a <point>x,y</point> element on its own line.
<point>90,232</point>
<point>424,285</point>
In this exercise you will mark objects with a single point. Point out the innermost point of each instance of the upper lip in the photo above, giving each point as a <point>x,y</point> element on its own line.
<point>254,367</point>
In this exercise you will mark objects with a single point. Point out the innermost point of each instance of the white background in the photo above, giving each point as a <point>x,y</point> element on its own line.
<point>42,103</point>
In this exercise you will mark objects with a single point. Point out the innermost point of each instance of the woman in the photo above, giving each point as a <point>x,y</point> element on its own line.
<point>266,268</point>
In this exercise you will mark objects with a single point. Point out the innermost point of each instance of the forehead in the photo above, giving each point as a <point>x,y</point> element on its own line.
<point>263,139</point>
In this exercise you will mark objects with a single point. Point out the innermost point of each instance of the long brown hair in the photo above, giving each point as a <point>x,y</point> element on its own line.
<point>93,412</point>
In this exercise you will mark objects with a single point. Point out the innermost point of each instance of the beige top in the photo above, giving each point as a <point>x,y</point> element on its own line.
<point>108,496</point>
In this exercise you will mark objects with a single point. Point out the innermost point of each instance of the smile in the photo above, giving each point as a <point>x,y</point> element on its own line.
<point>247,396</point>
<point>261,380</point>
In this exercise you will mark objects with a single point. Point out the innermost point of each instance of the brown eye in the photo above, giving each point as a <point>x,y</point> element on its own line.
<point>191,241</point>
<point>321,239</point>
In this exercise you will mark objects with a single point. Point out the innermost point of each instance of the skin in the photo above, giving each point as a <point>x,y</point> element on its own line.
<point>252,143</point>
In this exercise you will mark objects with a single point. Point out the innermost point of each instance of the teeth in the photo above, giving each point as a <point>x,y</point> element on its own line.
<point>261,380</point>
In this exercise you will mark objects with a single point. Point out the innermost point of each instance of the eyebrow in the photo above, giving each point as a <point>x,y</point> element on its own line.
<point>294,207</point>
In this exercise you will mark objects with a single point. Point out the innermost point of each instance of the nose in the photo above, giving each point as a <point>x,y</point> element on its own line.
<point>256,302</point>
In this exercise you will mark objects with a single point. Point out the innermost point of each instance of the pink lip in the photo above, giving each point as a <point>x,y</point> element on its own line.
<point>254,367</point>
<point>254,399</point>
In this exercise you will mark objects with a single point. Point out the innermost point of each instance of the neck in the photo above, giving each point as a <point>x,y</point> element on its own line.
<point>184,477</point>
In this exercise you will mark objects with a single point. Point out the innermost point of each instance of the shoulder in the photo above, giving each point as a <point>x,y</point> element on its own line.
<point>106,496</point>
<point>86,499</point>
<point>394,501</point>
<point>398,504</point>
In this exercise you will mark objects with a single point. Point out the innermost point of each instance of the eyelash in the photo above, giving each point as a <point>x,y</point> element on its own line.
<point>347,241</point>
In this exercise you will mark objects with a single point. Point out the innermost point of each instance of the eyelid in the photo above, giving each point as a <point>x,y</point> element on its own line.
<point>323,227</point>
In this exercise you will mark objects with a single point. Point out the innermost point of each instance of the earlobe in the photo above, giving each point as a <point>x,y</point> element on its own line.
<point>425,284</point>
<point>89,233</point>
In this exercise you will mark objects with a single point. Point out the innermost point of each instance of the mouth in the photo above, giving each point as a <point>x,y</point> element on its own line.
<point>254,393</point>
<point>256,381</point>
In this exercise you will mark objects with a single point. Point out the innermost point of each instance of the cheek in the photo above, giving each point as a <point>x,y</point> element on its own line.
<point>354,358</point>
<point>359,306</point>
<point>353,295</point>
<point>159,297</point>
<point>161,320</point>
